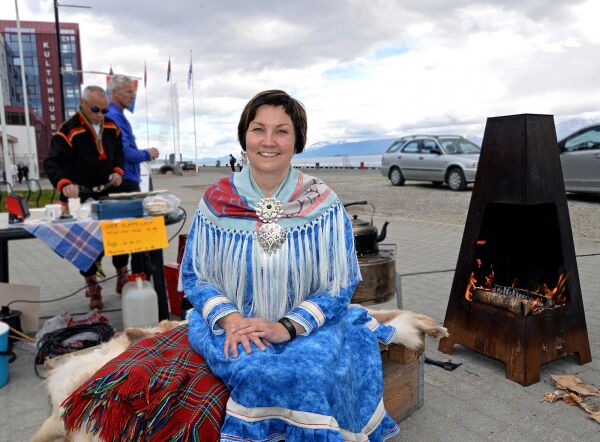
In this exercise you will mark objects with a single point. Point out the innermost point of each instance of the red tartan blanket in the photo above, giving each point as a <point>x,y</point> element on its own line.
<point>157,390</point>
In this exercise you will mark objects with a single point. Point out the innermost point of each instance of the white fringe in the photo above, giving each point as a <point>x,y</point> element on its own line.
<point>221,257</point>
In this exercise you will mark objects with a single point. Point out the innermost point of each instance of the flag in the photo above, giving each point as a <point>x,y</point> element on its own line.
<point>110,71</point>
<point>145,76</point>
<point>131,108</point>
<point>190,73</point>
<point>169,70</point>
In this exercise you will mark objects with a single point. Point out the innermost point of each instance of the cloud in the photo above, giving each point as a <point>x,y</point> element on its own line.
<point>363,68</point>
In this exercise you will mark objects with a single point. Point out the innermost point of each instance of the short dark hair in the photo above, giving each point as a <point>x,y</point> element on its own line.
<point>274,97</point>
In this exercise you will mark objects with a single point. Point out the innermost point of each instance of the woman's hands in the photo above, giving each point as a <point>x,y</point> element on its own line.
<point>261,332</point>
<point>271,331</point>
<point>231,324</point>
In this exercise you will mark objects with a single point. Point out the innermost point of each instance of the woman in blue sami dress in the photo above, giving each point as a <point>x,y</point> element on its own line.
<point>270,268</point>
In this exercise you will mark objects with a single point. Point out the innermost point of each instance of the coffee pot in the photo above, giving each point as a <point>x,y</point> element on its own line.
<point>365,233</point>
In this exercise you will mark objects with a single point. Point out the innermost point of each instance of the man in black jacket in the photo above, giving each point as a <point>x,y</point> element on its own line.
<point>85,159</point>
<point>232,162</point>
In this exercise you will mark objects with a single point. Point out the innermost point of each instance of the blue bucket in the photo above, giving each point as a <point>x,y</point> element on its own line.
<point>3,359</point>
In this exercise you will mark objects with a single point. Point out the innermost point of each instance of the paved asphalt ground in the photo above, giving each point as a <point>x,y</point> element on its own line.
<point>473,403</point>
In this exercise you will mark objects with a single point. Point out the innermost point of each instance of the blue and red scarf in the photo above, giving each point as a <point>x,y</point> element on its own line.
<point>304,198</point>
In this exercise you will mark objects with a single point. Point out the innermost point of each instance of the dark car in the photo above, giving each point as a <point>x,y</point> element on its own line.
<point>580,159</point>
<point>187,165</point>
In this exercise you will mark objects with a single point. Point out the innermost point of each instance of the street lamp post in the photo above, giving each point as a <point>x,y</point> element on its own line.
<point>60,65</point>
<point>31,150</point>
<point>59,50</point>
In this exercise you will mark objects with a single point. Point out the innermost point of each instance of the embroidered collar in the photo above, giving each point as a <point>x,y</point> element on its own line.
<point>232,202</point>
<point>85,122</point>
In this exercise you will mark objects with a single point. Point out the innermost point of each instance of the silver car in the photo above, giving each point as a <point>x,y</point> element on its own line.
<point>449,159</point>
<point>580,159</point>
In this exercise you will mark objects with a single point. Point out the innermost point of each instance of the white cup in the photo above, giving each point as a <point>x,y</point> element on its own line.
<point>53,211</point>
<point>37,214</point>
<point>85,211</point>
<point>3,220</point>
<point>74,206</point>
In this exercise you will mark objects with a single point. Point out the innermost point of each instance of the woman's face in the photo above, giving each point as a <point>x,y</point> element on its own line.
<point>270,141</point>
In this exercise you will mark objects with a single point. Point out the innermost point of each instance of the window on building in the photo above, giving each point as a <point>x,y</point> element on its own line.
<point>15,118</point>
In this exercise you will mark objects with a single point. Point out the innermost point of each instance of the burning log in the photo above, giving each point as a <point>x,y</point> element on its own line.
<point>515,305</point>
<point>519,301</point>
<point>523,294</point>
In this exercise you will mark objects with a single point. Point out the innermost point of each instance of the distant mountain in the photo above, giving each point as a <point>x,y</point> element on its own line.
<point>368,147</point>
<point>207,160</point>
<point>377,147</point>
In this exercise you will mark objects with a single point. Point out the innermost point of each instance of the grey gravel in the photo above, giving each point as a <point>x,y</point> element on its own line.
<point>419,201</point>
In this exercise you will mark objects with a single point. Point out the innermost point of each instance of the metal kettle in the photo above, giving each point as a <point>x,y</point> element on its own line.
<point>365,233</point>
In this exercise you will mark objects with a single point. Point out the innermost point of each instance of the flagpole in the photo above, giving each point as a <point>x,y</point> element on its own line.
<point>172,109</point>
<point>173,124</point>
<point>194,112</point>
<point>178,127</point>
<point>146,91</point>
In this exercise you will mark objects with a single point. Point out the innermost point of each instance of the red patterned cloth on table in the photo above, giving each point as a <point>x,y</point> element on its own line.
<point>157,390</point>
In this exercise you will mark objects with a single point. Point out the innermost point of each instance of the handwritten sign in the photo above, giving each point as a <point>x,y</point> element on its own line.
<point>134,235</point>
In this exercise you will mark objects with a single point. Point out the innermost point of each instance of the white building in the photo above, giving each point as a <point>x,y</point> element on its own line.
<point>19,151</point>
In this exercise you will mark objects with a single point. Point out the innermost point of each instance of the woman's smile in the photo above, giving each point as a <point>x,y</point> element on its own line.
<point>270,144</point>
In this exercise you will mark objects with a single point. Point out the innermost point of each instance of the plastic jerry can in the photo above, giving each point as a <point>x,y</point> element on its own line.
<point>140,303</point>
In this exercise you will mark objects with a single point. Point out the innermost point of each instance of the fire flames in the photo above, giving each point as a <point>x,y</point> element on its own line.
<point>540,298</point>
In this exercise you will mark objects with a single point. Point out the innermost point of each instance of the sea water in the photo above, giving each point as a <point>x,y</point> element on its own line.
<point>331,161</point>
<point>338,161</point>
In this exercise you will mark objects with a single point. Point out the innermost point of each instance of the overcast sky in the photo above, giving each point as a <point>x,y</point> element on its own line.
<point>364,69</point>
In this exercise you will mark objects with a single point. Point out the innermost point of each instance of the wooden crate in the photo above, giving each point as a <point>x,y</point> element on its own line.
<point>403,372</point>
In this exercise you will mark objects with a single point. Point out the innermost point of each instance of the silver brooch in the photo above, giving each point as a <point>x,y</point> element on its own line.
<point>271,236</point>
<point>269,209</point>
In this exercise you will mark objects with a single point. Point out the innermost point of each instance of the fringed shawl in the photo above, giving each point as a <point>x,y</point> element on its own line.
<point>313,259</point>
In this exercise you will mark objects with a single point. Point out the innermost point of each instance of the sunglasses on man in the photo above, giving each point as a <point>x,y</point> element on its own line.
<point>96,109</point>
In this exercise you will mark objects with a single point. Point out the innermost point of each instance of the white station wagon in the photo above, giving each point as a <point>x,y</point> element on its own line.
<point>580,159</point>
<point>439,159</point>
